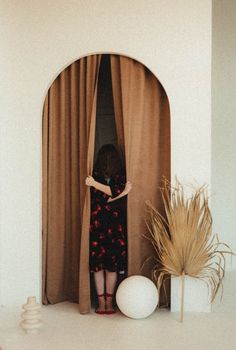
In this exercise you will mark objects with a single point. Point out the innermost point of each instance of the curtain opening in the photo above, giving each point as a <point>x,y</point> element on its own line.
<point>142,125</point>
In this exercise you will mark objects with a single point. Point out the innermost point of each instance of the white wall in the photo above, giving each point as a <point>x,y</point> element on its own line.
<point>224,121</point>
<point>39,39</point>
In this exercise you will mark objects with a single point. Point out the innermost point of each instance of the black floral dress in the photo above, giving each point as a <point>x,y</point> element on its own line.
<point>108,245</point>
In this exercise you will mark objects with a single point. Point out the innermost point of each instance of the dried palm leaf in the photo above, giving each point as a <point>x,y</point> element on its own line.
<point>183,239</point>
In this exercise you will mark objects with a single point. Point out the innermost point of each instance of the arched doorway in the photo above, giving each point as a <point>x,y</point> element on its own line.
<point>142,119</point>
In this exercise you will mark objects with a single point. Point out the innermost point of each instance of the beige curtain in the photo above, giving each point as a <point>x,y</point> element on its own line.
<point>68,143</point>
<point>143,127</point>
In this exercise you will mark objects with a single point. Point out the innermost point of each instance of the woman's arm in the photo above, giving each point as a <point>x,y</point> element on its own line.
<point>103,188</point>
<point>128,188</point>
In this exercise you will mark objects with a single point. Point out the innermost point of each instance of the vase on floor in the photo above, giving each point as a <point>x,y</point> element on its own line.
<point>189,294</point>
<point>31,317</point>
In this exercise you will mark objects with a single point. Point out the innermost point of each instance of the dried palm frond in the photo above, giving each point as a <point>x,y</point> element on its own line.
<point>183,239</point>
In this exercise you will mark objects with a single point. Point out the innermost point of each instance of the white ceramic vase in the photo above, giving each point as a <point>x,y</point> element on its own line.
<point>189,294</point>
<point>31,317</point>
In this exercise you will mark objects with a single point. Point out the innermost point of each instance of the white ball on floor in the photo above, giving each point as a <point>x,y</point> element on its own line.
<point>137,297</point>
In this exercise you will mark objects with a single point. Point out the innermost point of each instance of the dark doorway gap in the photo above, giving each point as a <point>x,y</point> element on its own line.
<point>105,130</point>
<point>105,120</point>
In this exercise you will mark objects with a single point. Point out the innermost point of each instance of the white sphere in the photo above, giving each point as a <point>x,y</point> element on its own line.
<point>137,297</point>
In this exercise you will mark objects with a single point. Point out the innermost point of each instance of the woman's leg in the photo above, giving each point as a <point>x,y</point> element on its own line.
<point>100,288</point>
<point>111,279</point>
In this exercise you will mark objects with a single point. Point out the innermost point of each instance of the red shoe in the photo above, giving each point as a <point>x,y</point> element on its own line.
<point>112,311</point>
<point>100,312</point>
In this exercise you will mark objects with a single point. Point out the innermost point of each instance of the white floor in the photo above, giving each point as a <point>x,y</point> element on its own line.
<point>64,328</point>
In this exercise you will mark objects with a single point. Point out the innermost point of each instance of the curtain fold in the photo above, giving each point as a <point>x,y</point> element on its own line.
<point>143,130</point>
<point>68,143</point>
<point>84,274</point>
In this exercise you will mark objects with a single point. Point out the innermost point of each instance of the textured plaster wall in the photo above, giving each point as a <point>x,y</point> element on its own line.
<point>224,122</point>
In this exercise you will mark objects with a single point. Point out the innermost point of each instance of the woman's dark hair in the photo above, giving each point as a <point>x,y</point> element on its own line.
<point>108,161</point>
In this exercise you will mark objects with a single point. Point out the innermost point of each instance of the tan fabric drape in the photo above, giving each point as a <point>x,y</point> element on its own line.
<point>68,143</point>
<point>143,127</point>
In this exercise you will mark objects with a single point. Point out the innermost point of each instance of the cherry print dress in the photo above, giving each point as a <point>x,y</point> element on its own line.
<point>108,247</point>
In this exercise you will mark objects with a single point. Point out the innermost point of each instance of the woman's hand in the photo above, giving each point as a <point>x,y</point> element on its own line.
<point>89,181</point>
<point>128,187</point>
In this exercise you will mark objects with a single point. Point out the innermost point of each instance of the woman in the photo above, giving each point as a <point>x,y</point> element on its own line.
<point>108,247</point>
